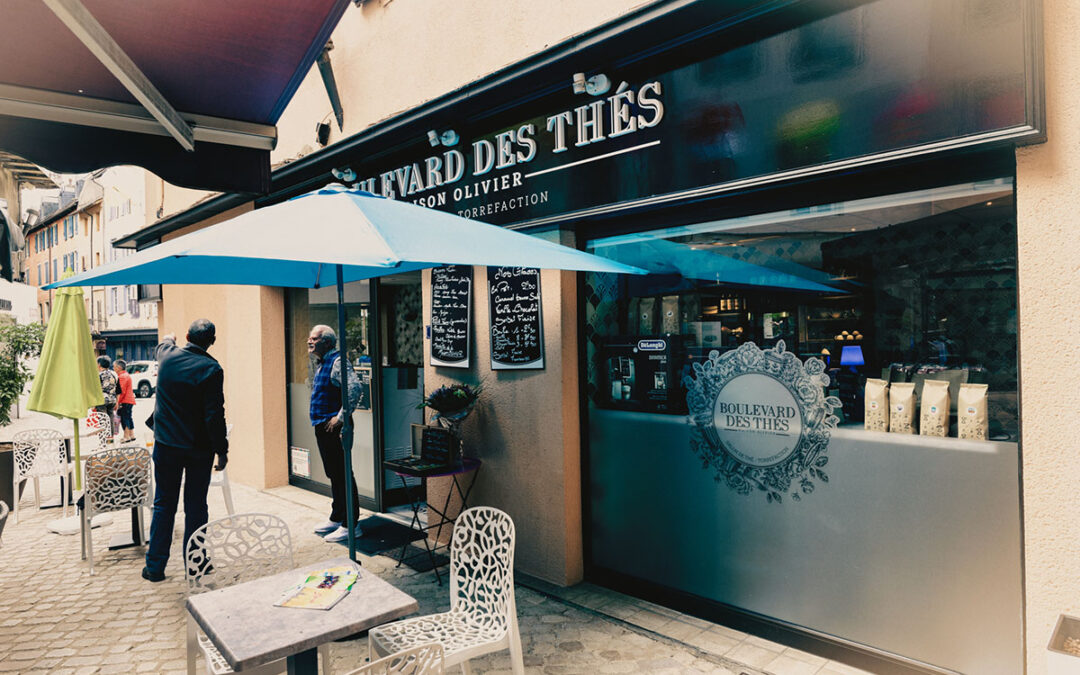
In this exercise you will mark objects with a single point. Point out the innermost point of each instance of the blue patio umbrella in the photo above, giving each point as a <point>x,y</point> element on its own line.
<point>335,235</point>
<point>717,265</point>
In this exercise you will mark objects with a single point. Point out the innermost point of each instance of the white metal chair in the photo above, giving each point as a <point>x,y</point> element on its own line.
<point>40,453</point>
<point>229,551</point>
<point>103,423</point>
<point>116,480</point>
<point>221,479</point>
<point>483,612</point>
<point>420,660</point>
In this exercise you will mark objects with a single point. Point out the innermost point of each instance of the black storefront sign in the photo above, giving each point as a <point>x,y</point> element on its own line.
<point>451,313</point>
<point>835,92</point>
<point>517,330</point>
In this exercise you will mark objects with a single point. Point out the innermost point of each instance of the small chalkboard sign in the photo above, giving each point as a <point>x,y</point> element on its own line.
<point>436,444</point>
<point>451,310</point>
<point>517,330</point>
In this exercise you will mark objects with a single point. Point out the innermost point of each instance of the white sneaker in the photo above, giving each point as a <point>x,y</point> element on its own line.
<point>342,534</point>
<point>327,527</point>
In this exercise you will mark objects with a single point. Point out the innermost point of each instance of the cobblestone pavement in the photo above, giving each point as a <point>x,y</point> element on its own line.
<point>56,618</point>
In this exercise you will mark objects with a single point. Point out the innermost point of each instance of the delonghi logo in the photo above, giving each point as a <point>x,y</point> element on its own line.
<point>761,420</point>
<point>651,345</point>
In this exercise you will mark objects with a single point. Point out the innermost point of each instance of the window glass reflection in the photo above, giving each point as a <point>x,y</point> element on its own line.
<point>905,288</point>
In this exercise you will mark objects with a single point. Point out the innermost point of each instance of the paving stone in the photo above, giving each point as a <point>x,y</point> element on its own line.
<point>115,621</point>
<point>786,665</point>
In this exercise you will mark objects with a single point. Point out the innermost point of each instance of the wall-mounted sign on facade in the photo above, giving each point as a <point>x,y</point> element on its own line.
<point>517,325</point>
<point>761,419</point>
<point>451,312</point>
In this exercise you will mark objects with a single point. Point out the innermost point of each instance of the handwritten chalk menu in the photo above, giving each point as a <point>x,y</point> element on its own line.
<point>517,338</point>
<point>451,310</point>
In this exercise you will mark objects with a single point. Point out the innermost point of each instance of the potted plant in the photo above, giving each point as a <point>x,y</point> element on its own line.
<point>452,404</point>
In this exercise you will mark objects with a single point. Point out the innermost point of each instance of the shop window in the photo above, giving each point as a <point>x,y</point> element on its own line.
<point>913,294</point>
<point>907,288</point>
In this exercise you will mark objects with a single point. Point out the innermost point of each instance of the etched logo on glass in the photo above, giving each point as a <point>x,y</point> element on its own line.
<point>761,420</point>
<point>757,419</point>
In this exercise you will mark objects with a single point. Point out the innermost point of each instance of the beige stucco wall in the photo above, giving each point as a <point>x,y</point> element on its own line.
<point>390,57</point>
<point>526,429</point>
<point>250,346</point>
<point>1048,191</point>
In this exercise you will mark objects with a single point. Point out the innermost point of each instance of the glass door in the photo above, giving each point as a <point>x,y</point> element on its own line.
<point>309,308</point>
<point>401,349</point>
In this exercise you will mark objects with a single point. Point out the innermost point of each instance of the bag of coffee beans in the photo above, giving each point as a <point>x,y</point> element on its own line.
<point>934,408</point>
<point>902,407</point>
<point>972,421</point>
<point>876,406</point>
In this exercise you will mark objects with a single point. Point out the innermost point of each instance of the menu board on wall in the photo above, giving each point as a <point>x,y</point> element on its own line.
<point>517,337</point>
<point>451,313</point>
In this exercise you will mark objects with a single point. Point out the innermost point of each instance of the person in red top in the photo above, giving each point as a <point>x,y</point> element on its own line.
<point>125,401</point>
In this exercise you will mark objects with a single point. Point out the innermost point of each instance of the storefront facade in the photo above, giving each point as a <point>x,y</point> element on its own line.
<point>807,175</point>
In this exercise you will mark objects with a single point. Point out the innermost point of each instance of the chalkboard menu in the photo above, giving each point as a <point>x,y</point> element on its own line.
<point>517,337</point>
<point>451,310</point>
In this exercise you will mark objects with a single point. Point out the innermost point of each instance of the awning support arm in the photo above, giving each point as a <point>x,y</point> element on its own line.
<point>85,27</point>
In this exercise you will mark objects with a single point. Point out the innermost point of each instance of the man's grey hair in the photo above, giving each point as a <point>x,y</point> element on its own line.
<point>120,363</point>
<point>326,335</point>
<point>201,333</point>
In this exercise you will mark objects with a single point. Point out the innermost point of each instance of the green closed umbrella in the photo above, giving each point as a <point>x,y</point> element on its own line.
<point>67,382</point>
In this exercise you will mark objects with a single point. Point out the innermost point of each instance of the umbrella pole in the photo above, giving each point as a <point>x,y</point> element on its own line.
<point>346,429</point>
<point>78,470</point>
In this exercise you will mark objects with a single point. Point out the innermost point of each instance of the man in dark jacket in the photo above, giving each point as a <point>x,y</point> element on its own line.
<point>189,430</point>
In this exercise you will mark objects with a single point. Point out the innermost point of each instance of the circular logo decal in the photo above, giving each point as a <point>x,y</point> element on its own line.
<point>761,420</point>
<point>873,405</point>
<point>757,419</point>
<point>971,410</point>
<point>899,407</point>
<point>933,409</point>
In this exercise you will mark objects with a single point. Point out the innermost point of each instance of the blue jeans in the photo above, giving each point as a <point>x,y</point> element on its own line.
<point>170,465</point>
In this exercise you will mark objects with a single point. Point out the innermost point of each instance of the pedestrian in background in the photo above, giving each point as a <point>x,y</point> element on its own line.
<point>189,430</point>
<point>327,417</point>
<point>125,401</point>
<point>109,389</point>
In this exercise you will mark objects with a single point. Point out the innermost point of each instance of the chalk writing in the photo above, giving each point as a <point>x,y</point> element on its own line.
<point>451,296</point>
<point>517,339</point>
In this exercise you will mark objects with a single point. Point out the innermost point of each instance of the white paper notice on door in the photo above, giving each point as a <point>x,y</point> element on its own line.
<point>300,461</point>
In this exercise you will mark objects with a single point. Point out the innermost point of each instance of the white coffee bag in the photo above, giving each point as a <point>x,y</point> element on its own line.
<point>902,407</point>
<point>972,421</point>
<point>876,406</point>
<point>934,408</point>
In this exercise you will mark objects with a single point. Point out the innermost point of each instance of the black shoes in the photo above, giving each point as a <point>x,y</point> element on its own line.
<point>151,576</point>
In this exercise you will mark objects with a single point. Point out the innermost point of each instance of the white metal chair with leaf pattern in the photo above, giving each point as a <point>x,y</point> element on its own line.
<point>483,613</point>
<point>39,453</point>
<point>420,660</point>
<point>116,480</point>
<point>229,551</point>
<point>103,423</point>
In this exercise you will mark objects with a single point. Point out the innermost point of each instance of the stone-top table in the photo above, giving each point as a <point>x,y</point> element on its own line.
<point>249,630</point>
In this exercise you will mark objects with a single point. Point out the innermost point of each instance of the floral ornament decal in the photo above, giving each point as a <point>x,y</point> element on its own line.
<point>761,420</point>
